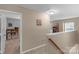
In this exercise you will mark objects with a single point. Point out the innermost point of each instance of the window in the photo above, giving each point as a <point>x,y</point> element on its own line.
<point>68,26</point>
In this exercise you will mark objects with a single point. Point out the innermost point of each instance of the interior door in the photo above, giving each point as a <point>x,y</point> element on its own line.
<point>3,32</point>
<point>0,35</point>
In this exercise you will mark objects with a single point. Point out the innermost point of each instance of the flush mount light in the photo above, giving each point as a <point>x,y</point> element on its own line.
<point>51,12</point>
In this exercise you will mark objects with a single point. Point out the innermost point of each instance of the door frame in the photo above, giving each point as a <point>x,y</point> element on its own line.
<point>3,32</point>
<point>20,30</point>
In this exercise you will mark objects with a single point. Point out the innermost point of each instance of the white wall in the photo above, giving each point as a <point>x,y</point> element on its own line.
<point>75,20</point>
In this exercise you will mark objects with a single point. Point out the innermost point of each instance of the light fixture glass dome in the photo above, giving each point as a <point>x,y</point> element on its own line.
<point>51,12</point>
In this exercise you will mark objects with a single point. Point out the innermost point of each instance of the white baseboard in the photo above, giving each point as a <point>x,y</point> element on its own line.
<point>37,47</point>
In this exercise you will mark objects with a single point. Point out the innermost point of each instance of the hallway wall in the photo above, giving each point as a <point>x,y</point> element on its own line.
<point>33,35</point>
<point>75,20</point>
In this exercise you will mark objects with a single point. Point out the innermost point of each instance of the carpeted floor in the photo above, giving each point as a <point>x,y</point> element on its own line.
<point>12,46</point>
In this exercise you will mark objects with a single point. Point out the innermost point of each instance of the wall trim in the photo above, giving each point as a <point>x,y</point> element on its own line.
<point>33,48</point>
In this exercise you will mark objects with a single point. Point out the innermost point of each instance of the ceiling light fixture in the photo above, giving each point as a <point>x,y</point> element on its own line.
<point>51,12</point>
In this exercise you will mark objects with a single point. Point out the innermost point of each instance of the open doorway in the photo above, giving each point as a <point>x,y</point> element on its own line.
<point>12,43</point>
<point>11,32</point>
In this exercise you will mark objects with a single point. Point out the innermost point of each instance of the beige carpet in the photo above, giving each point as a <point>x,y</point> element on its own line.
<point>12,46</point>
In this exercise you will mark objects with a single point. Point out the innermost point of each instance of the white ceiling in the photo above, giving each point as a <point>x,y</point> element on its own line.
<point>64,10</point>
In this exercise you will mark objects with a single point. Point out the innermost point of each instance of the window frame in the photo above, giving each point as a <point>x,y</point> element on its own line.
<point>65,26</point>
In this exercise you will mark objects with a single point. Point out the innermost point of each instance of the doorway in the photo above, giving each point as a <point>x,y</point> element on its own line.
<point>11,32</point>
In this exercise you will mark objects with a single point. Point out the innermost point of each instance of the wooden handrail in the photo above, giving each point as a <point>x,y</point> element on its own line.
<point>56,45</point>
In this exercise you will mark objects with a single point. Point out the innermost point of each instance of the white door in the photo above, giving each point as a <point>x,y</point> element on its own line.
<point>0,34</point>
<point>3,32</point>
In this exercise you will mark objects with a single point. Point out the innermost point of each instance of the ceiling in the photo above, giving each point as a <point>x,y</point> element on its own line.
<point>63,10</point>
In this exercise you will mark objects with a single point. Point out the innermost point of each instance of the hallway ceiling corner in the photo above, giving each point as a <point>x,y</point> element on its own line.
<point>65,10</point>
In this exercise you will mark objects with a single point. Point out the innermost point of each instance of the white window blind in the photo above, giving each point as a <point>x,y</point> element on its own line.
<point>69,26</point>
